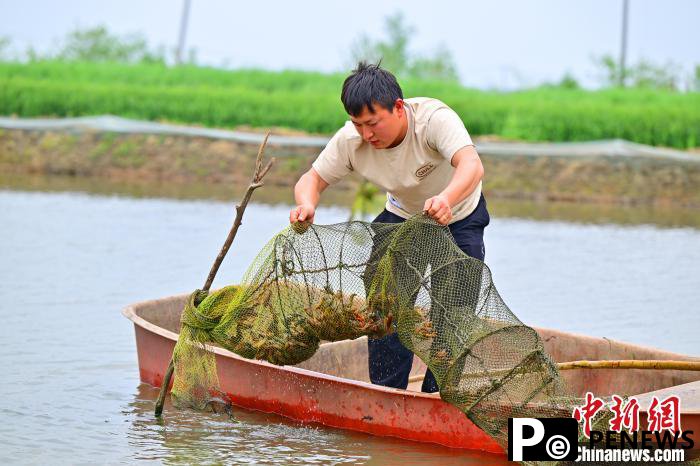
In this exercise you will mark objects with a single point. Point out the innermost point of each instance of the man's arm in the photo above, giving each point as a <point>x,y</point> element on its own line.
<point>307,193</point>
<point>469,172</point>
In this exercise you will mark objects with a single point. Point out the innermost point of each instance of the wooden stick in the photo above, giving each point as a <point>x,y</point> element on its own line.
<point>255,183</point>
<point>657,364</point>
<point>164,388</point>
<point>654,364</point>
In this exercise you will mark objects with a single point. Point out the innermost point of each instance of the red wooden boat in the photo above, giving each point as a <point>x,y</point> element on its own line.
<point>332,388</point>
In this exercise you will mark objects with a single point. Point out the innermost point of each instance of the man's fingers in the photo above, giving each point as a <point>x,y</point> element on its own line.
<point>299,214</point>
<point>440,206</point>
<point>435,208</point>
<point>439,211</point>
<point>427,205</point>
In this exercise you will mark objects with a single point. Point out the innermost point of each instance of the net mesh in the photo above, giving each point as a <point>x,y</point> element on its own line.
<point>335,282</point>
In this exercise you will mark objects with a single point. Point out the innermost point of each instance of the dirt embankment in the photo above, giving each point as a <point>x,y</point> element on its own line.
<point>176,159</point>
<point>186,159</point>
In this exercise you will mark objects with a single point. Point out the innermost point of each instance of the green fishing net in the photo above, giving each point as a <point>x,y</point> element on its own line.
<point>314,283</point>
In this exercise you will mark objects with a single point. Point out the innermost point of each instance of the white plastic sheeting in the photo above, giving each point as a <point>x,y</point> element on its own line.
<point>109,123</point>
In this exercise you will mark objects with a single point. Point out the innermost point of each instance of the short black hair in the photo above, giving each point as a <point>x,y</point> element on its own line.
<point>367,85</point>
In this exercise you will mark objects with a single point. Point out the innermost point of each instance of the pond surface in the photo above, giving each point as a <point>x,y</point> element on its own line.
<point>70,261</point>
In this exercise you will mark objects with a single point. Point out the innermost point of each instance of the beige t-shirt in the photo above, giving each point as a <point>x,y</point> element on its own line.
<point>415,170</point>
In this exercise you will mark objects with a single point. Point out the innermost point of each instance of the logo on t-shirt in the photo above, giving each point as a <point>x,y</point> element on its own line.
<point>425,170</point>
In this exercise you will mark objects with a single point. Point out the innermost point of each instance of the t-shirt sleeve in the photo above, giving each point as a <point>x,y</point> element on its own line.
<point>446,133</point>
<point>333,163</point>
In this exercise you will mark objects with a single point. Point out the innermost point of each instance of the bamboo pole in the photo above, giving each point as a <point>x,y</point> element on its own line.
<point>256,182</point>
<point>650,364</point>
<point>654,364</point>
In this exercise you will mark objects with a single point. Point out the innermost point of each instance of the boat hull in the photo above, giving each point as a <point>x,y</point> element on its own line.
<point>308,396</point>
<point>320,396</point>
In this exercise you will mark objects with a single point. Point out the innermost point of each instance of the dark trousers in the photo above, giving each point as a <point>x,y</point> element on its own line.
<point>389,361</point>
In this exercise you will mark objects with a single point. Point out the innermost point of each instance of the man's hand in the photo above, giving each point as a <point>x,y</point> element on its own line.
<point>439,208</point>
<point>302,213</point>
<point>307,192</point>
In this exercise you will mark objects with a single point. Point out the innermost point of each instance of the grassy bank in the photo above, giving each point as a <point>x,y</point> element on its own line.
<point>309,101</point>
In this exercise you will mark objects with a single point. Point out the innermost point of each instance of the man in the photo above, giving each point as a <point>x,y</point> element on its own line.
<point>420,153</point>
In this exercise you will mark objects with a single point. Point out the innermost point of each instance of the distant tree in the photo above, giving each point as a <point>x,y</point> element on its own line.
<point>191,57</point>
<point>610,70</point>
<point>439,66</point>
<point>33,55</point>
<point>643,74</point>
<point>395,55</point>
<point>97,44</point>
<point>4,47</point>
<point>568,81</point>
<point>650,75</point>
<point>696,79</point>
<point>392,52</point>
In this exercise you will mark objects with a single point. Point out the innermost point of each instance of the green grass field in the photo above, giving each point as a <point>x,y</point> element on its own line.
<point>310,102</point>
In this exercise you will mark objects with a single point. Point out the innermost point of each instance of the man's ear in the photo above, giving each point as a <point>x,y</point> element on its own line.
<point>399,107</point>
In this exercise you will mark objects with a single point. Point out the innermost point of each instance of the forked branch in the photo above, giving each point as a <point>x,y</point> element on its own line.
<point>255,183</point>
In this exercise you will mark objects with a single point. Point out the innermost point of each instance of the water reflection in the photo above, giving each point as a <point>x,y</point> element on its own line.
<point>239,436</point>
<point>661,216</point>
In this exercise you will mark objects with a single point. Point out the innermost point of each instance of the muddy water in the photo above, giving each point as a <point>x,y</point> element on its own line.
<point>69,261</point>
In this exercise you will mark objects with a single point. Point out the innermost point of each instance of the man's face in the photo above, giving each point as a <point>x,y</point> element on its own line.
<point>383,128</point>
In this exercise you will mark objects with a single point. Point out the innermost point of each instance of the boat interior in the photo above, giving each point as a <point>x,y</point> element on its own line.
<point>348,359</point>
